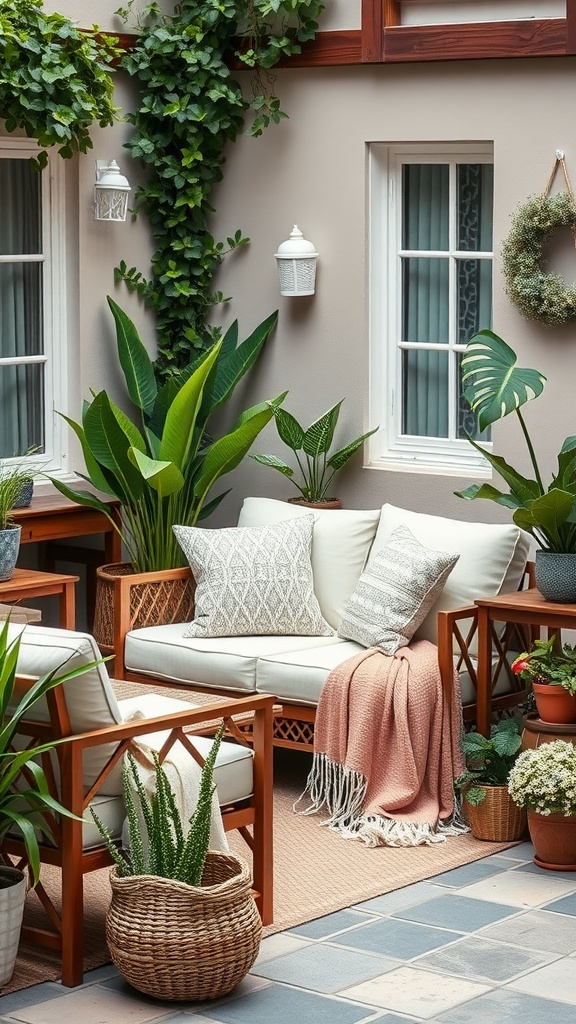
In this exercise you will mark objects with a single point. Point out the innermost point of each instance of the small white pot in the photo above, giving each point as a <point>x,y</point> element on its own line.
<point>12,897</point>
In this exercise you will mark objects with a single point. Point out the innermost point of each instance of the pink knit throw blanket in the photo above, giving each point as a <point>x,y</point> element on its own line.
<point>387,748</point>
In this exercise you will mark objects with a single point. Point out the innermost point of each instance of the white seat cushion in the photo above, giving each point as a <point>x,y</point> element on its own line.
<point>299,675</point>
<point>226,663</point>
<point>492,558</point>
<point>341,541</point>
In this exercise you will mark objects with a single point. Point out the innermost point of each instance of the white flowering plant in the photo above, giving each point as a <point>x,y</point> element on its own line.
<point>544,779</point>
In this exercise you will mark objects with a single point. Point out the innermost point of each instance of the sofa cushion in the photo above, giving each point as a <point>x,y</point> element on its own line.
<point>341,540</point>
<point>395,592</point>
<point>492,558</point>
<point>253,580</point>
<point>226,664</point>
<point>299,675</point>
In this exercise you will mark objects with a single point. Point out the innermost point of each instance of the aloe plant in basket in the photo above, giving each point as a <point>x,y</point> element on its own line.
<point>311,446</point>
<point>190,906</point>
<point>495,386</point>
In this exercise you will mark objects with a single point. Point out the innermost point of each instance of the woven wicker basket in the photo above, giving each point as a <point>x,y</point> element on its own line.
<point>177,941</point>
<point>161,598</point>
<point>497,819</point>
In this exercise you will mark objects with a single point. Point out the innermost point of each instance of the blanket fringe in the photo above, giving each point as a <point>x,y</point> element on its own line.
<point>342,792</point>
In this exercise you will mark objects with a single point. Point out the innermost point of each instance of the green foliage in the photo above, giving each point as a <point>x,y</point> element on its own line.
<point>548,661</point>
<point>22,808</point>
<point>316,466</point>
<point>489,760</point>
<point>190,109</point>
<point>494,387</point>
<point>55,80</point>
<point>12,480</point>
<point>163,467</point>
<point>159,843</point>
<point>544,297</point>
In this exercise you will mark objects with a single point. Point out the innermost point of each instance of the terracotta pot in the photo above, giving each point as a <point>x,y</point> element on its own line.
<point>554,703</point>
<point>497,819</point>
<point>329,503</point>
<point>537,732</point>
<point>554,839</point>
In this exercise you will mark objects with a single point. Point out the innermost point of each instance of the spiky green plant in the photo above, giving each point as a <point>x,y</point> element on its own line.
<point>166,848</point>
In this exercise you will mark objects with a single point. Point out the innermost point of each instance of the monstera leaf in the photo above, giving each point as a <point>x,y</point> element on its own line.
<point>494,385</point>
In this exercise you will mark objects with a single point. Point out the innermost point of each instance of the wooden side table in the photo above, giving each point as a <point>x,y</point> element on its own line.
<point>27,583</point>
<point>524,607</point>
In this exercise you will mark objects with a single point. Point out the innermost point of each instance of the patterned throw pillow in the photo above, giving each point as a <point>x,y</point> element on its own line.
<point>253,580</point>
<point>395,592</point>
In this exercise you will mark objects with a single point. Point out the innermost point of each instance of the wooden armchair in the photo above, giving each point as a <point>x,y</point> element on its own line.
<point>86,769</point>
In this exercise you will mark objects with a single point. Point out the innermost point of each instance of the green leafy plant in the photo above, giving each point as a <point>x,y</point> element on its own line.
<point>159,844</point>
<point>495,386</point>
<point>316,466</point>
<point>22,807</point>
<point>162,468</point>
<point>489,759</point>
<point>542,779</point>
<point>190,108</point>
<point>13,477</point>
<point>55,80</point>
<point>548,661</point>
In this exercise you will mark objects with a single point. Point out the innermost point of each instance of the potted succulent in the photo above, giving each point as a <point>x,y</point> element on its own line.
<point>311,447</point>
<point>22,808</point>
<point>163,465</point>
<point>549,668</point>
<point>543,781</point>
<point>495,386</point>
<point>191,908</point>
<point>486,803</point>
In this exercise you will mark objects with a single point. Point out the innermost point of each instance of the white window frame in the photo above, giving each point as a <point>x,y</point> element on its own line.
<point>53,259</point>
<point>389,448</point>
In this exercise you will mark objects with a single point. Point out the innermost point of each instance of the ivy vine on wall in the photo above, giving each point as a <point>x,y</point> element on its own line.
<point>190,108</point>
<point>55,80</point>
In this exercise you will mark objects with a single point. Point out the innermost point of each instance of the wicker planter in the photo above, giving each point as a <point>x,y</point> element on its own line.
<point>156,599</point>
<point>12,896</point>
<point>497,819</point>
<point>329,503</point>
<point>177,941</point>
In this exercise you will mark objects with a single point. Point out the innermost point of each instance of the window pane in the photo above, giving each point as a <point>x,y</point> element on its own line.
<point>21,409</point>
<point>425,311</point>
<point>20,209</point>
<point>20,309</point>
<point>425,192</point>
<point>467,423</point>
<point>425,393</point>
<point>475,204</point>
<point>474,298</point>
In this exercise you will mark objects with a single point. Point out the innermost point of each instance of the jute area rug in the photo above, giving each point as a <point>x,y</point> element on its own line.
<point>315,872</point>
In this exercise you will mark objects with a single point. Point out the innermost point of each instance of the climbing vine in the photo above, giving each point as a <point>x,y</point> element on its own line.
<point>55,80</point>
<point>190,108</point>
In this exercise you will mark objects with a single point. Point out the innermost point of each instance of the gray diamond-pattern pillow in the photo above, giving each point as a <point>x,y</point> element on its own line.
<point>253,580</point>
<point>395,592</point>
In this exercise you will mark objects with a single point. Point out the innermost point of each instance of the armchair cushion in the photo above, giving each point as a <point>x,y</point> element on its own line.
<point>395,592</point>
<point>253,581</point>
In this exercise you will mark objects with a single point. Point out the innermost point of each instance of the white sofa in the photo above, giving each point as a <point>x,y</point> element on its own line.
<point>492,559</point>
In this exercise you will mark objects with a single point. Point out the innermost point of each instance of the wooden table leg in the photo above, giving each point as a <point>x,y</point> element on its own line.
<point>68,606</point>
<point>484,673</point>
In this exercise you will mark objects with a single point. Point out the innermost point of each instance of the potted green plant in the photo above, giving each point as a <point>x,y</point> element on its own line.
<point>162,464</point>
<point>22,807</point>
<point>543,781</point>
<point>549,669</point>
<point>191,908</point>
<point>489,810</point>
<point>495,386</point>
<point>13,478</point>
<point>311,446</point>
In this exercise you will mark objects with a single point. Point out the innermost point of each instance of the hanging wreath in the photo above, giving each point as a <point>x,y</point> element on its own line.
<point>541,296</point>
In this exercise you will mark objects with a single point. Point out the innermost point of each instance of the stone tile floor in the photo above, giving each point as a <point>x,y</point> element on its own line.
<point>492,941</point>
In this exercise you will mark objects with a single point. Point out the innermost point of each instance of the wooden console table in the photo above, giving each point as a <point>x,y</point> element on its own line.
<point>525,607</point>
<point>26,583</point>
<point>52,517</point>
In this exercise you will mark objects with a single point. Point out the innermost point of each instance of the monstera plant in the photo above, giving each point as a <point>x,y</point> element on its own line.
<point>163,465</point>
<point>495,386</point>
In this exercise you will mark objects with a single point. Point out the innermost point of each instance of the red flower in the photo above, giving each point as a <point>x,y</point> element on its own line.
<point>520,665</point>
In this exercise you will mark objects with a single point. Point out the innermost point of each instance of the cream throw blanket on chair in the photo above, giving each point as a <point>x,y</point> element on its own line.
<point>387,748</point>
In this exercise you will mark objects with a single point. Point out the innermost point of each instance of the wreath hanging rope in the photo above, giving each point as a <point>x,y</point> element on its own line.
<point>544,297</point>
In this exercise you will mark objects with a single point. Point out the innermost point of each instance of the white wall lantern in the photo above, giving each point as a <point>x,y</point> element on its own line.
<point>296,260</point>
<point>110,192</point>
